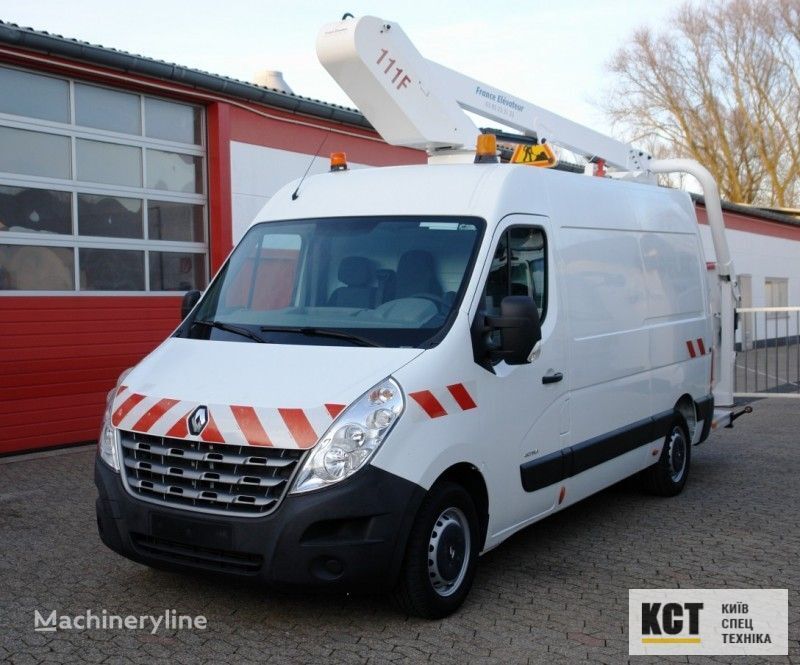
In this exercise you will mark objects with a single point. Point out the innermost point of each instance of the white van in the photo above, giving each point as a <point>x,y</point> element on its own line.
<point>398,368</point>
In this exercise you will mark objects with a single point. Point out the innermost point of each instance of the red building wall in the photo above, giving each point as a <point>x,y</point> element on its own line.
<point>59,356</point>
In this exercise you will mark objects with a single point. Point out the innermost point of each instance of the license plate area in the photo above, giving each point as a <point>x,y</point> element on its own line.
<point>215,535</point>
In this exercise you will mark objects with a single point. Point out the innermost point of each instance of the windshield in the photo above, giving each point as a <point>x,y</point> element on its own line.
<point>372,281</point>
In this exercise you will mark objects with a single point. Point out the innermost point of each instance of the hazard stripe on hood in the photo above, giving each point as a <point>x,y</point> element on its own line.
<point>234,424</point>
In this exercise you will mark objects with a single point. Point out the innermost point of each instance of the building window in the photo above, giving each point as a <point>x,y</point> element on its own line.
<point>110,216</point>
<point>108,163</point>
<point>171,121</point>
<point>23,152</point>
<point>173,172</point>
<point>34,210</point>
<point>107,109</point>
<point>776,294</point>
<point>34,96</point>
<point>37,268</point>
<point>100,189</point>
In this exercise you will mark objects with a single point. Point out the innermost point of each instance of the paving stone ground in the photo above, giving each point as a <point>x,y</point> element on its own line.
<point>556,592</point>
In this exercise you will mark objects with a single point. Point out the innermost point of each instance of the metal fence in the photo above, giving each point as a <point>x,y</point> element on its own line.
<point>768,352</point>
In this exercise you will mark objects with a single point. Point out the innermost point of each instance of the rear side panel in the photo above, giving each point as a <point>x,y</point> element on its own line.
<point>678,311</point>
<point>639,325</point>
<point>606,307</point>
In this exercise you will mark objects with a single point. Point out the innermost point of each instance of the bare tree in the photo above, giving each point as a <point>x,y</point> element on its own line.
<point>719,83</point>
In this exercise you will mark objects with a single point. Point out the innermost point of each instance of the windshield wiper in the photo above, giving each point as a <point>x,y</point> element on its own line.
<point>227,327</point>
<point>322,332</point>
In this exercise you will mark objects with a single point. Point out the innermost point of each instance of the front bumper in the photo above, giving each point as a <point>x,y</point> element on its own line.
<point>349,536</point>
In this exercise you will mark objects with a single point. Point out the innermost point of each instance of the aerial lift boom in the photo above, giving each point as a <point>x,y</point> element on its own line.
<point>417,103</point>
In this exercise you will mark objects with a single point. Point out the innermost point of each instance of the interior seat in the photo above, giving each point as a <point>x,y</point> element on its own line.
<point>416,273</point>
<point>358,276</point>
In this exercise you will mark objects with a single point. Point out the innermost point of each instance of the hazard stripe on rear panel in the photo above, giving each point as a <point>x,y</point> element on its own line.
<point>701,347</point>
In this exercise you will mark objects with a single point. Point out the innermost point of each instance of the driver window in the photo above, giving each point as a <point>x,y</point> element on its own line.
<point>518,268</point>
<point>497,283</point>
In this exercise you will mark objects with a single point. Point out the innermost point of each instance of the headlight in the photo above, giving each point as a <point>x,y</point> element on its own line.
<point>107,441</point>
<point>353,438</point>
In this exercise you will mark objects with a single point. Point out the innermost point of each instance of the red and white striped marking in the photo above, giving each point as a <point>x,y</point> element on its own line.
<point>233,424</point>
<point>452,399</point>
<point>699,351</point>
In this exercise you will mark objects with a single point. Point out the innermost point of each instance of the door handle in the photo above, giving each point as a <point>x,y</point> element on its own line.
<point>552,378</point>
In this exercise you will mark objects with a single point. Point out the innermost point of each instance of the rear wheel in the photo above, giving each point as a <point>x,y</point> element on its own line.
<point>440,560</point>
<point>668,476</point>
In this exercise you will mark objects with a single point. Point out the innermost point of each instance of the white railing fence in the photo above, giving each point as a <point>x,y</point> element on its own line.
<point>768,352</point>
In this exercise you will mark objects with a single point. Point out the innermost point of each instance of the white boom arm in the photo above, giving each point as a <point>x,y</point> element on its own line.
<point>420,104</point>
<point>417,103</point>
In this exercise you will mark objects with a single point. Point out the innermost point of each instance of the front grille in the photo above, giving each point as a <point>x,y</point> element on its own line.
<point>210,477</point>
<point>204,557</point>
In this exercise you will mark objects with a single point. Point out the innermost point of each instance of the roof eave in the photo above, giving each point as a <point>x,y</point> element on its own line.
<point>752,211</point>
<point>55,45</point>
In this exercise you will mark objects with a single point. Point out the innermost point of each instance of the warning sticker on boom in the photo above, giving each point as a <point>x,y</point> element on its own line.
<point>534,155</point>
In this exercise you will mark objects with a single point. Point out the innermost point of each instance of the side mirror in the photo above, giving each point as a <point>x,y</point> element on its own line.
<point>519,329</point>
<point>190,299</point>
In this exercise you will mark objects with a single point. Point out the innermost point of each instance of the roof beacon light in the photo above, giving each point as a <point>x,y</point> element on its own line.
<point>486,149</point>
<point>338,161</point>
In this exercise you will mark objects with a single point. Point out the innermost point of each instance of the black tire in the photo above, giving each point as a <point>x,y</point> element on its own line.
<point>668,476</point>
<point>449,507</point>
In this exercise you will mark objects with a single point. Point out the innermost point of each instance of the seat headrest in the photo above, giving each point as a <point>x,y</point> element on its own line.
<point>416,273</point>
<point>416,260</point>
<point>355,271</point>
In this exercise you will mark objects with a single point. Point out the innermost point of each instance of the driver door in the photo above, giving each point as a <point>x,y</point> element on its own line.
<point>530,417</point>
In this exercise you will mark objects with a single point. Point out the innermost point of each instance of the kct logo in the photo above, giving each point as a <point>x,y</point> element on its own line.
<point>680,621</point>
<point>712,622</point>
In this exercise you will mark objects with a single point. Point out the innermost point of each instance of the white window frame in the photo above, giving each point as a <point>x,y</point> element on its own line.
<point>76,187</point>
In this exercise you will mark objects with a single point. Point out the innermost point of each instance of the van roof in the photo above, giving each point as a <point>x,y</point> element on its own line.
<point>490,191</point>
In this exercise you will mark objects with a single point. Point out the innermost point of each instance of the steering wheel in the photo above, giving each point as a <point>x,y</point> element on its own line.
<point>442,306</point>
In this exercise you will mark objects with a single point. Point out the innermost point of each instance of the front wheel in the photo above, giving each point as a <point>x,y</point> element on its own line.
<point>667,477</point>
<point>440,560</point>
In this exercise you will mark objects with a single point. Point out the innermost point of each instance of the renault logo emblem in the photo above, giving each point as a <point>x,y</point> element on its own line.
<point>198,420</point>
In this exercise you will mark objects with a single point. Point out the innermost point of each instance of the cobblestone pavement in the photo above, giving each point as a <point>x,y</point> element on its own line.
<point>556,592</point>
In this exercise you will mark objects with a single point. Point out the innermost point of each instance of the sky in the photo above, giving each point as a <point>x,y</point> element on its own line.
<point>550,52</point>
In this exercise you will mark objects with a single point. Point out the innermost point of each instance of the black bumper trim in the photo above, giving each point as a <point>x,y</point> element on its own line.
<point>705,412</point>
<point>171,551</point>
<point>347,537</point>
<point>555,467</point>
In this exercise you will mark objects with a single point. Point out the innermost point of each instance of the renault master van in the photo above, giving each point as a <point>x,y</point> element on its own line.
<point>398,368</point>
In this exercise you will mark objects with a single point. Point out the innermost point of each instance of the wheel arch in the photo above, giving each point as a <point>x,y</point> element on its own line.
<point>687,408</point>
<point>471,479</point>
